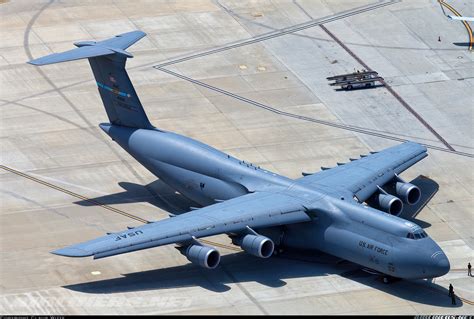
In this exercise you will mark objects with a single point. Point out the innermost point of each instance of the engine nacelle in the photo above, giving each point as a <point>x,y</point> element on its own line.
<point>256,245</point>
<point>203,256</point>
<point>391,204</point>
<point>409,193</point>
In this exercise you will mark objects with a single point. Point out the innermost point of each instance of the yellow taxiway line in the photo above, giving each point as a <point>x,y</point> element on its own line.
<point>468,27</point>
<point>97,203</point>
<point>121,212</point>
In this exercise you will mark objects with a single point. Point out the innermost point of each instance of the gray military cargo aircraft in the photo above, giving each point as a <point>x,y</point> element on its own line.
<point>350,211</point>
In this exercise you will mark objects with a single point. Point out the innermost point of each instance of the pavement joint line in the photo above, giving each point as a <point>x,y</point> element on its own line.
<point>466,25</point>
<point>110,208</point>
<point>229,46</point>
<point>244,290</point>
<point>387,86</point>
<point>118,211</point>
<point>306,118</point>
<point>91,128</point>
<point>282,32</point>
<point>208,52</point>
<point>66,191</point>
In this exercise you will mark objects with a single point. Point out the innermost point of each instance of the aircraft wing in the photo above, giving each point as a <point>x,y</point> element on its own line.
<point>362,176</point>
<point>261,209</point>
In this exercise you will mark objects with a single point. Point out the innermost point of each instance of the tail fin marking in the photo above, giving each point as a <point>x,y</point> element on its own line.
<point>107,59</point>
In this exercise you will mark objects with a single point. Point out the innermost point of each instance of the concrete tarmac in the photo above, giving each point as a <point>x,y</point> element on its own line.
<point>63,181</point>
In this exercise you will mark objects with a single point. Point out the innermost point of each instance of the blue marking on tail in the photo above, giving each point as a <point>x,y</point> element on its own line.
<point>107,59</point>
<point>108,88</point>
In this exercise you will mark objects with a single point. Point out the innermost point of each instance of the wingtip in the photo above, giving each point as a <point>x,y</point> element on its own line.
<point>71,252</point>
<point>416,144</point>
<point>34,62</point>
<point>43,60</point>
<point>135,33</point>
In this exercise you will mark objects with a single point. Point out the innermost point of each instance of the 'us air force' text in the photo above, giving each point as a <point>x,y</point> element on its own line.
<point>373,247</point>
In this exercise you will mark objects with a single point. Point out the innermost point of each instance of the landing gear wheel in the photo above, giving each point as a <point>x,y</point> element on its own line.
<point>389,279</point>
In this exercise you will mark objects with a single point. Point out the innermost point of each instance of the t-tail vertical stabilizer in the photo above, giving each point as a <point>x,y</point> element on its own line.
<point>107,59</point>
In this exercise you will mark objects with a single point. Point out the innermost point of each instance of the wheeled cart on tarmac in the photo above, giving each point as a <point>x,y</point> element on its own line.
<point>364,79</point>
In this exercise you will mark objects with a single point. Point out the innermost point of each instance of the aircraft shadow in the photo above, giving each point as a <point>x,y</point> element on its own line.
<point>428,188</point>
<point>272,272</point>
<point>420,223</point>
<point>462,44</point>
<point>156,193</point>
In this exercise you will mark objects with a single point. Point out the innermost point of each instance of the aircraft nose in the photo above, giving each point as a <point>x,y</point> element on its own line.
<point>443,266</point>
<point>440,264</point>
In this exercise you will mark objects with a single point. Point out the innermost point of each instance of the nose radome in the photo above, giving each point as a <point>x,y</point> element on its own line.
<point>443,266</point>
<point>440,265</point>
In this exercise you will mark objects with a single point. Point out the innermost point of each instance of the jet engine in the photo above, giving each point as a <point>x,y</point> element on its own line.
<point>256,245</point>
<point>408,192</point>
<point>389,203</point>
<point>201,255</point>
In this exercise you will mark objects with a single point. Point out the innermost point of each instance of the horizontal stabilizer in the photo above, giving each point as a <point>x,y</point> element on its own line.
<point>90,49</point>
<point>71,55</point>
<point>107,59</point>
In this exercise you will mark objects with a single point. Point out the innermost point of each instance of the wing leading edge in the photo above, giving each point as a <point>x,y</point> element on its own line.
<point>363,176</point>
<point>261,209</point>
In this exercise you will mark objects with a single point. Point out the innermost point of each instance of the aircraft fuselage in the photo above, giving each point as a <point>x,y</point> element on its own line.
<point>344,228</point>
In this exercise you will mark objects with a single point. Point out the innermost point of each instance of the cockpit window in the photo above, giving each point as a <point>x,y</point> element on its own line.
<point>418,234</point>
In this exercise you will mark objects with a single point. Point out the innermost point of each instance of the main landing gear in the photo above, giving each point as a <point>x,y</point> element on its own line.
<point>389,279</point>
